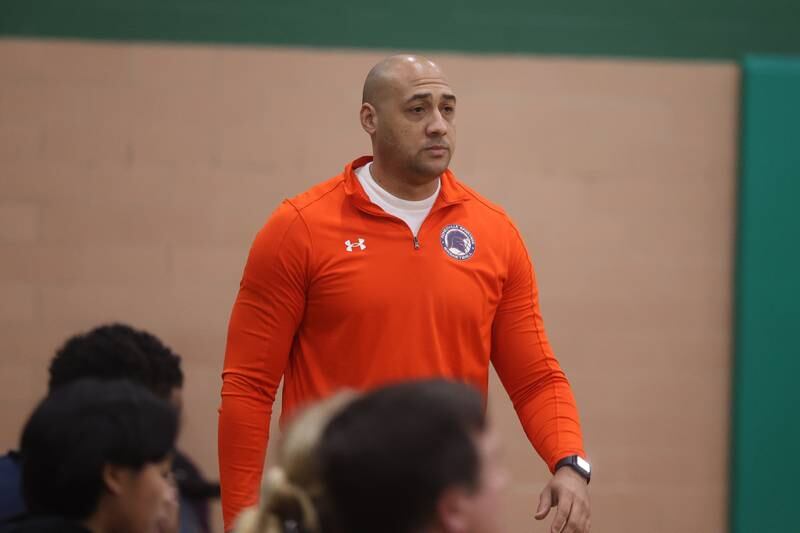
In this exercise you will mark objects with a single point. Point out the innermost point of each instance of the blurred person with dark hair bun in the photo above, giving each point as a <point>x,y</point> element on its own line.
<point>96,458</point>
<point>416,457</point>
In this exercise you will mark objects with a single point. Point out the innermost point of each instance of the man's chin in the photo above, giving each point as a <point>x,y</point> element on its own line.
<point>433,169</point>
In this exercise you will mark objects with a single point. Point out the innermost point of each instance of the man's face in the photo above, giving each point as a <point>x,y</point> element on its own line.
<point>416,122</point>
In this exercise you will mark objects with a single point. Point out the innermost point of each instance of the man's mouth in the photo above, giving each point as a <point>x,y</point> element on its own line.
<point>437,149</point>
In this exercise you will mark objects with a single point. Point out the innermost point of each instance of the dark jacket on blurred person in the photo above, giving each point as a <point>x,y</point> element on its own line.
<point>44,524</point>
<point>195,492</point>
<point>11,504</point>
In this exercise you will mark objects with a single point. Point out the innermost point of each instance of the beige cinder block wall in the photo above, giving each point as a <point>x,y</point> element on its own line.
<point>133,177</point>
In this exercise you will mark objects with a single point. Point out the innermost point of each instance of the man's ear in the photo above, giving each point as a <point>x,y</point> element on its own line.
<point>453,511</point>
<point>114,478</point>
<point>369,118</point>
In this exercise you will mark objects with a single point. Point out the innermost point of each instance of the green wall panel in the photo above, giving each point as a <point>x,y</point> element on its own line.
<point>766,426</point>
<point>656,28</point>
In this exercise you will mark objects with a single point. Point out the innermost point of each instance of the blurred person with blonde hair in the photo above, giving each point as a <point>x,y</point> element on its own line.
<point>293,488</point>
<point>416,457</point>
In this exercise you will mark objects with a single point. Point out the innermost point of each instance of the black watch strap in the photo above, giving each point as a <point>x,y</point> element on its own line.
<point>578,464</point>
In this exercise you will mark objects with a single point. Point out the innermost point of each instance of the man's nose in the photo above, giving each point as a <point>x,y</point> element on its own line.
<point>438,125</point>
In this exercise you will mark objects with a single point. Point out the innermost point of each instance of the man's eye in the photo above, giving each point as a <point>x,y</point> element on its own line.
<point>418,109</point>
<point>449,109</point>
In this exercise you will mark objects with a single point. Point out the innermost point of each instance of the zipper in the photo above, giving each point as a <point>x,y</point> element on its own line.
<point>383,214</point>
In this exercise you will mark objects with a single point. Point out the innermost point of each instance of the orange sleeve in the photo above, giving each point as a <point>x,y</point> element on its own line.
<point>265,316</point>
<point>527,367</point>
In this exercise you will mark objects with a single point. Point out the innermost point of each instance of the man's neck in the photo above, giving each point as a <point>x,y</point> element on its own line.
<point>406,189</point>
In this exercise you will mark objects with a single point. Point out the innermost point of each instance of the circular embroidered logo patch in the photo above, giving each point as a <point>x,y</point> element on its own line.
<point>457,241</point>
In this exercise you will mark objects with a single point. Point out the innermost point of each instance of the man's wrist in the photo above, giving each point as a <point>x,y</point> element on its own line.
<point>578,464</point>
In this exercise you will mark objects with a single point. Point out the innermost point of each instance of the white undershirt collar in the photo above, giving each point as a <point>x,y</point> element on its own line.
<point>412,212</point>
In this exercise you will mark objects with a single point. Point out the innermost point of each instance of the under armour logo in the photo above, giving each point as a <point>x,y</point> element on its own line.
<point>350,245</point>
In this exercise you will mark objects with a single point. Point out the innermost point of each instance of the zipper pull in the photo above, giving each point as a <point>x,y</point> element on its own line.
<point>416,243</point>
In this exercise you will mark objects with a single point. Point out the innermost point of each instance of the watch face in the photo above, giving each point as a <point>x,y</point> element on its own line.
<point>584,465</point>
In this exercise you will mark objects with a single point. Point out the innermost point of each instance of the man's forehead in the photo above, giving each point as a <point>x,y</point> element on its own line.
<point>430,82</point>
<point>426,86</point>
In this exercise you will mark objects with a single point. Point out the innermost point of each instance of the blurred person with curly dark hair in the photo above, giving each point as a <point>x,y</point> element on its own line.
<point>119,351</point>
<point>96,458</point>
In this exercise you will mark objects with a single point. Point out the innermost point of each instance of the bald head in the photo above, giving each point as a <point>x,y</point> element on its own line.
<point>397,72</point>
<point>408,110</point>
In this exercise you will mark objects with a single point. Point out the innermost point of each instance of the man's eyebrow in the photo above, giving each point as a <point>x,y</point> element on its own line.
<point>419,96</point>
<point>427,96</point>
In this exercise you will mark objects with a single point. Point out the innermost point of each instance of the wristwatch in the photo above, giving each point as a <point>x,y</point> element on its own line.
<point>579,464</point>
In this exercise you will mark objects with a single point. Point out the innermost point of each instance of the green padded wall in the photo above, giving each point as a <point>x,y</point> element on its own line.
<point>651,28</point>
<point>766,428</point>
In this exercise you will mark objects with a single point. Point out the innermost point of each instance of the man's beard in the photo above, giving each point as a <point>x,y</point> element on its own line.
<point>425,171</point>
<point>429,169</point>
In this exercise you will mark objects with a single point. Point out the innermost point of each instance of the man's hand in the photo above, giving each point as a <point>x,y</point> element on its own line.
<point>569,493</point>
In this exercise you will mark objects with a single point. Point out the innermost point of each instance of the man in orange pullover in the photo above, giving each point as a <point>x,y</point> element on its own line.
<point>394,270</point>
